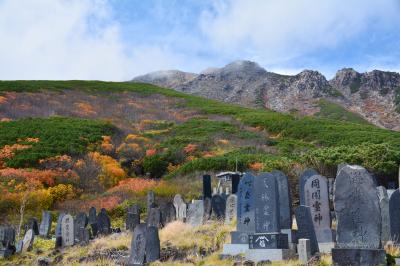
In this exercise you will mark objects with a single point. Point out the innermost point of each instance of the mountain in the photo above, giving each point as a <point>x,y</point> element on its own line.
<point>372,96</point>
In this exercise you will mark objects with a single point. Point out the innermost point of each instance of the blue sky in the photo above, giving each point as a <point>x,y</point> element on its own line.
<point>119,39</point>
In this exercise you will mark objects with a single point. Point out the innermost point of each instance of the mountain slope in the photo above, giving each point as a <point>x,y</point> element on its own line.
<point>375,96</point>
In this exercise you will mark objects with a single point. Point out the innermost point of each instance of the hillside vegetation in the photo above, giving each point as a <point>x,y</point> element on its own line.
<point>102,144</point>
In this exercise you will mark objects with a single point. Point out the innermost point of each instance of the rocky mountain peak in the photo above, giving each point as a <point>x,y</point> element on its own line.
<point>310,80</point>
<point>346,77</point>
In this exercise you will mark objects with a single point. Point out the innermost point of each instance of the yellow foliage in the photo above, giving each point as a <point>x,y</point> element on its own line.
<point>111,172</point>
<point>61,192</point>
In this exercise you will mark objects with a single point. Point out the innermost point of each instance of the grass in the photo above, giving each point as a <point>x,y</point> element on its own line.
<point>55,136</point>
<point>336,112</point>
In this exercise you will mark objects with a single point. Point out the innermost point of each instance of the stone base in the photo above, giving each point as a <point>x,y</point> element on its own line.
<point>325,235</point>
<point>326,247</point>
<point>288,232</point>
<point>268,241</point>
<point>358,257</point>
<point>239,237</point>
<point>257,255</point>
<point>234,249</point>
<point>5,253</point>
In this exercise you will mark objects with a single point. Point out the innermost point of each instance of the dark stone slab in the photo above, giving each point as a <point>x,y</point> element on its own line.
<point>358,257</point>
<point>132,217</point>
<point>218,205</point>
<point>305,227</point>
<point>58,233</point>
<point>394,210</point>
<point>357,209</point>
<point>266,202</point>
<point>152,244</point>
<point>103,222</point>
<point>32,224</point>
<point>80,221</point>
<point>168,214</point>
<point>84,236</point>
<point>207,209</point>
<point>94,230</point>
<point>235,183</point>
<point>238,237</point>
<point>268,241</point>
<point>150,200</point>
<point>154,217</point>
<point>7,241</point>
<point>285,201</point>
<point>92,219</point>
<point>138,246</point>
<point>45,224</point>
<point>207,192</point>
<point>195,213</point>
<point>245,211</point>
<point>303,178</point>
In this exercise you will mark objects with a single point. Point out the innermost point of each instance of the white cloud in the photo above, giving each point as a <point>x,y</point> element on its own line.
<point>276,31</point>
<point>70,39</point>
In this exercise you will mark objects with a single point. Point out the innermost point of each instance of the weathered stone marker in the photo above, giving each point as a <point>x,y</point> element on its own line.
<point>28,240</point>
<point>384,206</point>
<point>83,236</point>
<point>285,202</point>
<point>235,183</point>
<point>231,209</point>
<point>218,205</point>
<point>7,241</point>
<point>103,222</point>
<point>152,244</point>
<point>150,200</point>
<point>305,228</point>
<point>317,198</point>
<point>92,220</point>
<point>58,231</point>
<point>180,207</point>
<point>304,250</point>
<point>207,209</point>
<point>394,209</point>
<point>303,178</point>
<point>154,217</point>
<point>45,224</point>
<point>207,193</point>
<point>32,224</point>
<point>80,221</point>
<point>132,217</point>
<point>195,213</point>
<point>67,230</point>
<point>138,246</point>
<point>358,238</point>
<point>168,214</point>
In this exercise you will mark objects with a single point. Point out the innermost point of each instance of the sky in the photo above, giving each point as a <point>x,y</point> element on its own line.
<point>120,39</point>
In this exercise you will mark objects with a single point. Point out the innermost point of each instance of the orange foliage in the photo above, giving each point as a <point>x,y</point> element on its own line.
<point>3,99</point>
<point>5,119</point>
<point>108,202</point>
<point>190,148</point>
<point>136,185</point>
<point>85,108</point>
<point>209,154</point>
<point>171,168</point>
<point>46,177</point>
<point>112,172</point>
<point>223,141</point>
<point>151,152</point>
<point>106,144</point>
<point>8,152</point>
<point>257,166</point>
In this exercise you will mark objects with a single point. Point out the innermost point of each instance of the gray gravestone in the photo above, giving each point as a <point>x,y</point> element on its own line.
<point>285,202</point>
<point>83,236</point>
<point>150,200</point>
<point>152,244</point>
<point>167,213</point>
<point>317,198</point>
<point>32,224</point>
<point>358,237</point>
<point>67,230</point>
<point>384,206</point>
<point>132,217</point>
<point>231,209</point>
<point>394,210</point>
<point>357,209</point>
<point>218,205</point>
<point>154,217</point>
<point>80,221</point>
<point>304,250</point>
<point>58,230</point>
<point>305,228</point>
<point>180,207</point>
<point>45,224</point>
<point>103,222</point>
<point>7,241</point>
<point>19,246</point>
<point>138,246</point>
<point>195,213</point>
<point>266,202</point>
<point>303,178</point>
<point>207,209</point>
<point>92,220</point>
<point>28,240</point>
<point>268,241</point>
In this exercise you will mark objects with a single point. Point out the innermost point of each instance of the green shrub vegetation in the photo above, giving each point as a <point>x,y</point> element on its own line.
<point>334,111</point>
<point>57,136</point>
<point>296,135</point>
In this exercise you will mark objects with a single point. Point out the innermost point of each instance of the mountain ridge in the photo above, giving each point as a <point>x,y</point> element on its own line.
<point>374,95</point>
